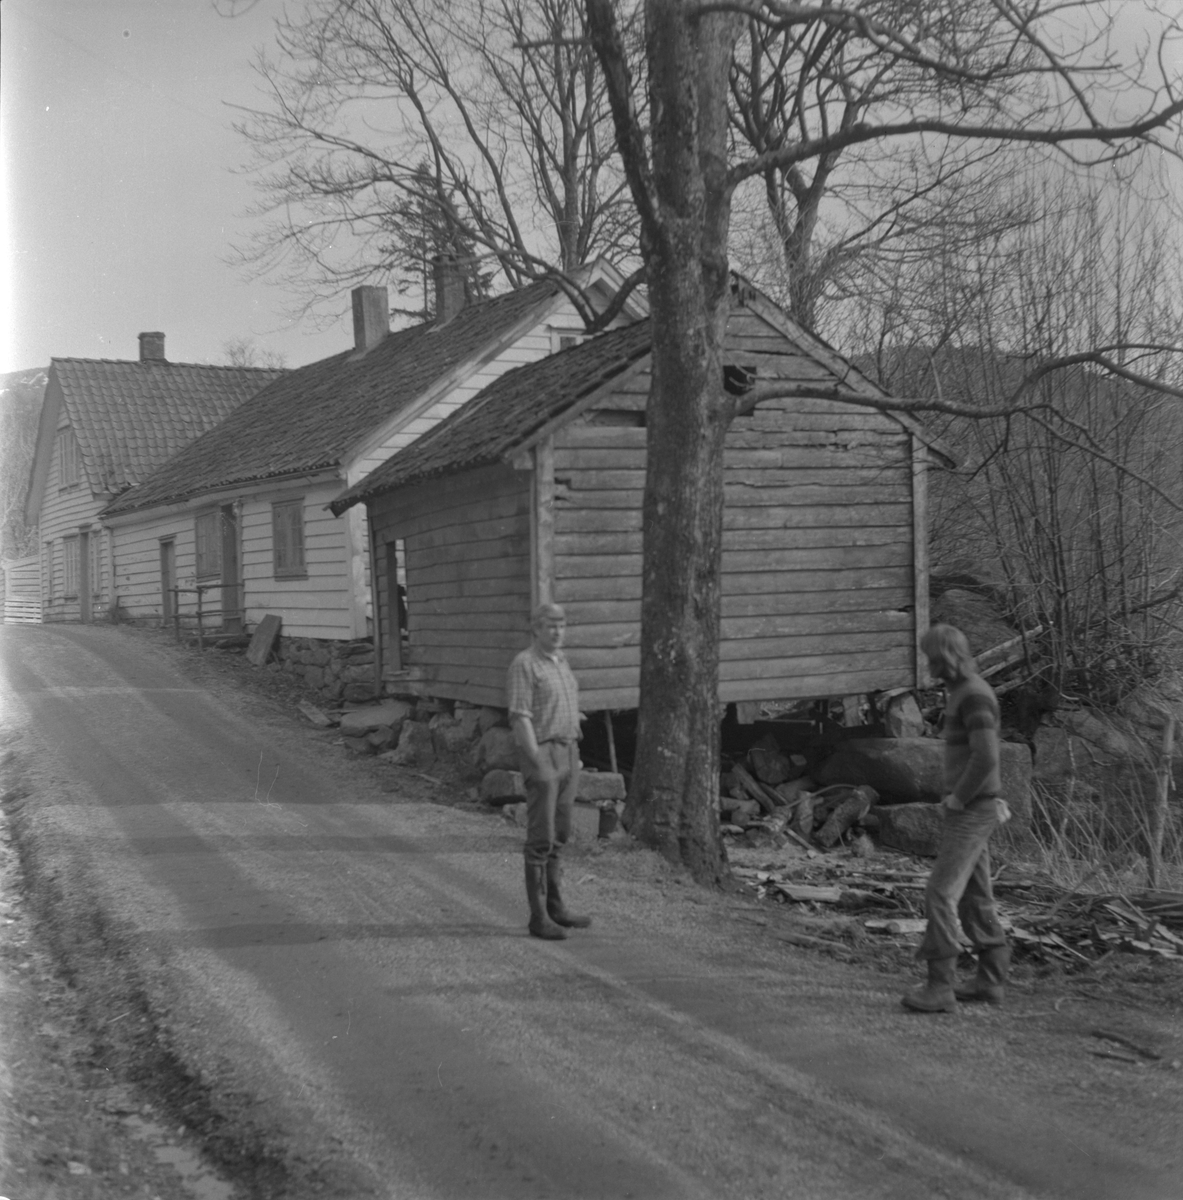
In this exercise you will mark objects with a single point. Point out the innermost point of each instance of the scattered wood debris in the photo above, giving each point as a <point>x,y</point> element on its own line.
<point>1044,921</point>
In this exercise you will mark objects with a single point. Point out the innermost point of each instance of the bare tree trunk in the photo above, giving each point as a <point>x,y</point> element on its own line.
<point>1158,815</point>
<point>684,199</point>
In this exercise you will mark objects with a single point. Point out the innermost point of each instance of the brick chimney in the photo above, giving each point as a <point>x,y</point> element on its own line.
<point>152,347</point>
<point>371,317</point>
<point>450,292</point>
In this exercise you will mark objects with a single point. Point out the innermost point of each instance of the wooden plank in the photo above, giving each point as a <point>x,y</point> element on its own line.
<point>590,635</point>
<point>775,603</point>
<point>463,569</point>
<point>544,526</point>
<point>581,436</point>
<point>778,539</point>
<point>741,493</point>
<point>504,636</point>
<point>628,587</point>
<point>263,639</point>
<point>920,554</point>
<point>490,592</point>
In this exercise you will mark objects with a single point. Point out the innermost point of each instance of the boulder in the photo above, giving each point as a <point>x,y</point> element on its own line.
<point>450,735</point>
<point>490,718</point>
<point>383,738</point>
<point>902,718</point>
<point>910,828</point>
<point>497,749</point>
<point>911,770</point>
<point>415,746</point>
<point>502,787</point>
<point>359,745</point>
<point>359,693</point>
<point>390,713</point>
<point>596,786</point>
<point>770,766</point>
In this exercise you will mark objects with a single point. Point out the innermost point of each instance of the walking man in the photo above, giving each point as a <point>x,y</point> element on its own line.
<point>544,714</point>
<point>959,885</point>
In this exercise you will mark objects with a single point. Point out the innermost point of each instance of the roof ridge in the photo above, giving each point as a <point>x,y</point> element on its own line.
<point>155,362</point>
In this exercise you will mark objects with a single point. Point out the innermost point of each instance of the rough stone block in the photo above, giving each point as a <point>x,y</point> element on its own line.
<point>359,745</point>
<point>595,786</point>
<point>314,676</point>
<point>469,719</point>
<point>496,749</point>
<point>382,739</point>
<point>502,787</point>
<point>902,718</point>
<point>911,770</point>
<point>390,713</point>
<point>358,693</point>
<point>357,672</point>
<point>450,735</point>
<point>910,828</point>
<point>490,718</point>
<point>415,746</point>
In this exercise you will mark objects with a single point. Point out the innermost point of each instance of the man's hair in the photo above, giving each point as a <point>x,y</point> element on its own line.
<point>547,612</point>
<point>947,644</point>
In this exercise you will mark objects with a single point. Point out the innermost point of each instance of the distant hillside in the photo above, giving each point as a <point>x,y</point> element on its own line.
<point>21,393</point>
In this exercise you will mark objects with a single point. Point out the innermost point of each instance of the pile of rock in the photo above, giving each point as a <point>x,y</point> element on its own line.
<point>423,733</point>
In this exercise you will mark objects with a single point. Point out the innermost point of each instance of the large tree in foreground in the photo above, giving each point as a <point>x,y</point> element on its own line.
<point>683,171</point>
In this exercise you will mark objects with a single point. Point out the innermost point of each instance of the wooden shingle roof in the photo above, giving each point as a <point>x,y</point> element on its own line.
<point>130,417</point>
<point>312,417</point>
<point>512,408</point>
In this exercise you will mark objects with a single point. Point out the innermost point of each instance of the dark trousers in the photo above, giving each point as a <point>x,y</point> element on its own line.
<point>550,799</point>
<point>959,885</point>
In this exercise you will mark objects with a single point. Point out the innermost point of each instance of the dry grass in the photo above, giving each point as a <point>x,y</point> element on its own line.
<point>1092,842</point>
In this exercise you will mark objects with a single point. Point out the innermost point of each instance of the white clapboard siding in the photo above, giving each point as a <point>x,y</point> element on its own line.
<point>22,591</point>
<point>467,544</point>
<point>64,509</point>
<point>316,605</point>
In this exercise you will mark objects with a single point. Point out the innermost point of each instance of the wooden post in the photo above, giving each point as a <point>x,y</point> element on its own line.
<point>611,740</point>
<point>1158,815</point>
<point>200,630</point>
<point>176,591</point>
<point>920,555</point>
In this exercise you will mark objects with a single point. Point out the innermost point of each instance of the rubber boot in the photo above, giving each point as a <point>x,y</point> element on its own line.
<point>554,899</point>
<point>937,994</point>
<point>541,926</point>
<point>989,984</point>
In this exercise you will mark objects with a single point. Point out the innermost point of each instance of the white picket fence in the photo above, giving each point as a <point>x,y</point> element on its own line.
<point>22,591</point>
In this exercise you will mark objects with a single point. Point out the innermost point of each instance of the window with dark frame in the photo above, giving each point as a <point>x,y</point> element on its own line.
<point>70,562</point>
<point>208,536</point>
<point>287,539</point>
<point>68,474</point>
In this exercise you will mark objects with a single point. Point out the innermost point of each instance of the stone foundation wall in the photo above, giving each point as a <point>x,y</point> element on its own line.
<point>338,670</point>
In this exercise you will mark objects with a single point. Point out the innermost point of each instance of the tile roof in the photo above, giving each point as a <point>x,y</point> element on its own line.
<point>309,419</point>
<point>130,417</point>
<point>507,412</point>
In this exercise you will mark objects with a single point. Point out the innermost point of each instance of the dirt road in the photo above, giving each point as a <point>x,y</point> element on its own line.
<point>334,985</point>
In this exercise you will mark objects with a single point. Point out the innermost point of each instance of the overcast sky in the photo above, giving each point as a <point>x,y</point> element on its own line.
<point>121,200</point>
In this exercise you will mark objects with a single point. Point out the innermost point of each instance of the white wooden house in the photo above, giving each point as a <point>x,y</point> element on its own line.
<point>244,512</point>
<point>106,425</point>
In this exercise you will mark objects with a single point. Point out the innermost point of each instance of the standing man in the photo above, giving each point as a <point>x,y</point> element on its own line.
<point>959,885</point>
<point>544,714</point>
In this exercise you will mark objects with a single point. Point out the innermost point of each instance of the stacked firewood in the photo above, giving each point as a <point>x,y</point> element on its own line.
<point>776,799</point>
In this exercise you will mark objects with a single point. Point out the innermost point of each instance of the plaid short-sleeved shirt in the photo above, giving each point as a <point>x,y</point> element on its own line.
<point>542,687</point>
